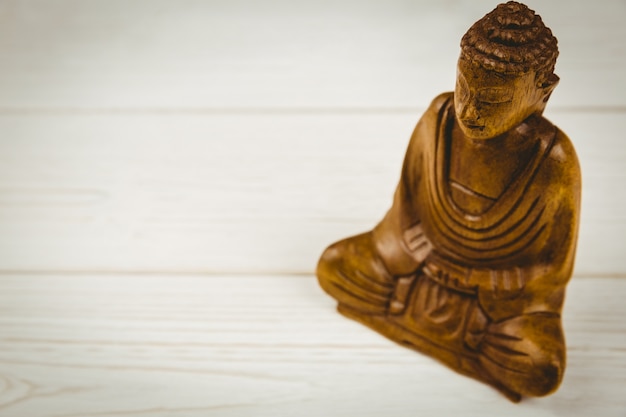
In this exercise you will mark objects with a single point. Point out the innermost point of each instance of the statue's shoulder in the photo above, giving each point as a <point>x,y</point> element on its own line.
<point>562,161</point>
<point>441,102</point>
<point>563,150</point>
<point>429,121</point>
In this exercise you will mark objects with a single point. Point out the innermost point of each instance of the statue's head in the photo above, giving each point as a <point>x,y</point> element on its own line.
<point>505,71</point>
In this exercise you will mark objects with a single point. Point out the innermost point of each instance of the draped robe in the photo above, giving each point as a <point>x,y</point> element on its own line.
<point>480,292</point>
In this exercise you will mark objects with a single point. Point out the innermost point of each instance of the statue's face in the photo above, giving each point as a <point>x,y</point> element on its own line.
<point>489,104</point>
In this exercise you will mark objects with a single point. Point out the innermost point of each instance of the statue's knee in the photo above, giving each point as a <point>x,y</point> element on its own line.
<point>544,378</point>
<point>535,379</point>
<point>341,273</point>
<point>328,266</point>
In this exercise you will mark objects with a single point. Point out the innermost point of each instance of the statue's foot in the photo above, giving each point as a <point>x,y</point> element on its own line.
<point>353,273</point>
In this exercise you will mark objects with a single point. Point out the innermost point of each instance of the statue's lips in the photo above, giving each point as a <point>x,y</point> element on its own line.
<point>472,125</point>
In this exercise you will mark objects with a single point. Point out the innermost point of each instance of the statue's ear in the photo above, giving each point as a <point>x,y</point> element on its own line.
<point>548,86</point>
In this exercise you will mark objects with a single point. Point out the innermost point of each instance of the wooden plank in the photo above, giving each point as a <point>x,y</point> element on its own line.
<point>237,193</point>
<point>168,345</point>
<point>189,54</point>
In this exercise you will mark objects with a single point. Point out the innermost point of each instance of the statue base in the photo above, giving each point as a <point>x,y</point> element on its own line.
<point>391,326</point>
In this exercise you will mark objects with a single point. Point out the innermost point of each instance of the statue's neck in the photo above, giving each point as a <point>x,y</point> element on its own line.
<point>487,167</point>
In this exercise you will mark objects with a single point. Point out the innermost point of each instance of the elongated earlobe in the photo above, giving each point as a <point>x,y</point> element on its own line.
<point>548,86</point>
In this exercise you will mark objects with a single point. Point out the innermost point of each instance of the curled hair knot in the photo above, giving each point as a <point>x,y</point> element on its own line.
<point>511,39</point>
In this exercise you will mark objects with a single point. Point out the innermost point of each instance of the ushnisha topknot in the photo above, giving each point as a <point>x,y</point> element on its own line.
<point>512,39</point>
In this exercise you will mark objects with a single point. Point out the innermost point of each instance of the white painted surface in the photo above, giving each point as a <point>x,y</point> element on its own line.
<point>241,136</point>
<point>172,345</point>
<point>231,193</point>
<point>179,54</point>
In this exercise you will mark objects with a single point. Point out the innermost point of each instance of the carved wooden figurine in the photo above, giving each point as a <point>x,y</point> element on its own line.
<point>471,262</point>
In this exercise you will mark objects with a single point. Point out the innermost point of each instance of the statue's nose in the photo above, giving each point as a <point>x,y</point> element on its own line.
<point>469,113</point>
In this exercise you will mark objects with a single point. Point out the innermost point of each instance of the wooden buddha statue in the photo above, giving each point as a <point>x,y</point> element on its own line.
<point>471,262</point>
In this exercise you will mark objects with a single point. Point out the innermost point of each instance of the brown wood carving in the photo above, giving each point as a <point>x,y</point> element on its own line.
<point>471,262</point>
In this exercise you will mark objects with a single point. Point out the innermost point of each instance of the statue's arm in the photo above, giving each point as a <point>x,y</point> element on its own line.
<point>523,346</point>
<point>399,238</point>
<point>363,271</point>
<point>536,282</point>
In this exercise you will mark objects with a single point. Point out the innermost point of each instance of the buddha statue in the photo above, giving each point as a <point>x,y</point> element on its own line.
<point>471,262</point>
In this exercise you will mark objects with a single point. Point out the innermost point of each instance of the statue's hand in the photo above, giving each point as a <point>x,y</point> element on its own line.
<point>417,243</point>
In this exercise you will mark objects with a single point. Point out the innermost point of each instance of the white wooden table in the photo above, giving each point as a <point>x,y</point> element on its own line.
<point>170,171</point>
<point>190,345</point>
<point>126,345</point>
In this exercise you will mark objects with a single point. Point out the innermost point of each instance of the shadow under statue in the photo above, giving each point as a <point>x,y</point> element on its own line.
<point>471,262</point>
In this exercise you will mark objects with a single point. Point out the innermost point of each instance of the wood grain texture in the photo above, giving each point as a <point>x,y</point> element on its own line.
<point>244,137</point>
<point>168,345</point>
<point>68,54</point>
<point>237,193</point>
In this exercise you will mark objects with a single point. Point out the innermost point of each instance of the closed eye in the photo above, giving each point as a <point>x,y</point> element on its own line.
<point>494,95</point>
